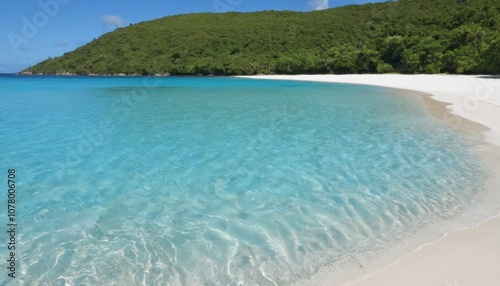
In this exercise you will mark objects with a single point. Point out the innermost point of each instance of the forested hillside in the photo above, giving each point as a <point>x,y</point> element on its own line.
<point>406,36</point>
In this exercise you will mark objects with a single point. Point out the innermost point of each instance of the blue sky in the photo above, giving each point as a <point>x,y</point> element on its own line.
<point>33,30</point>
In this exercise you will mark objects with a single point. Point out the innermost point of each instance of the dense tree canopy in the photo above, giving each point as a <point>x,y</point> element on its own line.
<point>406,36</point>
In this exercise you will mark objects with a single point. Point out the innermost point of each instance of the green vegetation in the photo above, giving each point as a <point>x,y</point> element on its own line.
<point>406,36</point>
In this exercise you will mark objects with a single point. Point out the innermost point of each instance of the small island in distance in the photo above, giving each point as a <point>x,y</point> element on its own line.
<point>406,36</point>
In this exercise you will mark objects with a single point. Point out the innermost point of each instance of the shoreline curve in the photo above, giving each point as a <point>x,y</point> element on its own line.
<point>468,255</point>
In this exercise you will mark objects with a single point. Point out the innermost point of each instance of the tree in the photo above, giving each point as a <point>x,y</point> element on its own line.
<point>391,50</point>
<point>491,56</point>
<point>410,36</point>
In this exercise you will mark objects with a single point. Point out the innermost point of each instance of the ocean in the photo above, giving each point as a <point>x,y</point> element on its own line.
<point>219,181</point>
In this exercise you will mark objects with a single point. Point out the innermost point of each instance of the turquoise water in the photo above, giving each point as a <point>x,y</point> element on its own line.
<point>219,181</point>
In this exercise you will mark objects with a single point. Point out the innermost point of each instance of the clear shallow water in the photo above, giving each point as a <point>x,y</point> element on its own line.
<point>217,181</point>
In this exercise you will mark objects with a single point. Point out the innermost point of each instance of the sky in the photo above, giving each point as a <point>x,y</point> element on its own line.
<point>34,30</point>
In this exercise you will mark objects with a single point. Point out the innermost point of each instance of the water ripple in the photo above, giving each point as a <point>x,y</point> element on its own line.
<point>253,184</point>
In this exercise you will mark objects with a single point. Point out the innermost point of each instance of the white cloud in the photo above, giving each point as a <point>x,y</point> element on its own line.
<point>318,4</point>
<point>112,20</point>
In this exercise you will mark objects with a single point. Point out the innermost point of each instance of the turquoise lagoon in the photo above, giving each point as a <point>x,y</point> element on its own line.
<point>220,181</point>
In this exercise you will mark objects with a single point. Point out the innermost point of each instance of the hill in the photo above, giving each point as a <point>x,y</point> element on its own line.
<point>406,36</point>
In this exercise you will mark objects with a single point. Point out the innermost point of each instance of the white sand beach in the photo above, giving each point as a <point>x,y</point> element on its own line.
<point>464,257</point>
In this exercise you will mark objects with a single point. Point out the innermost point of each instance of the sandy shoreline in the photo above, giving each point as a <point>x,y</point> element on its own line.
<point>462,257</point>
<point>476,98</point>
